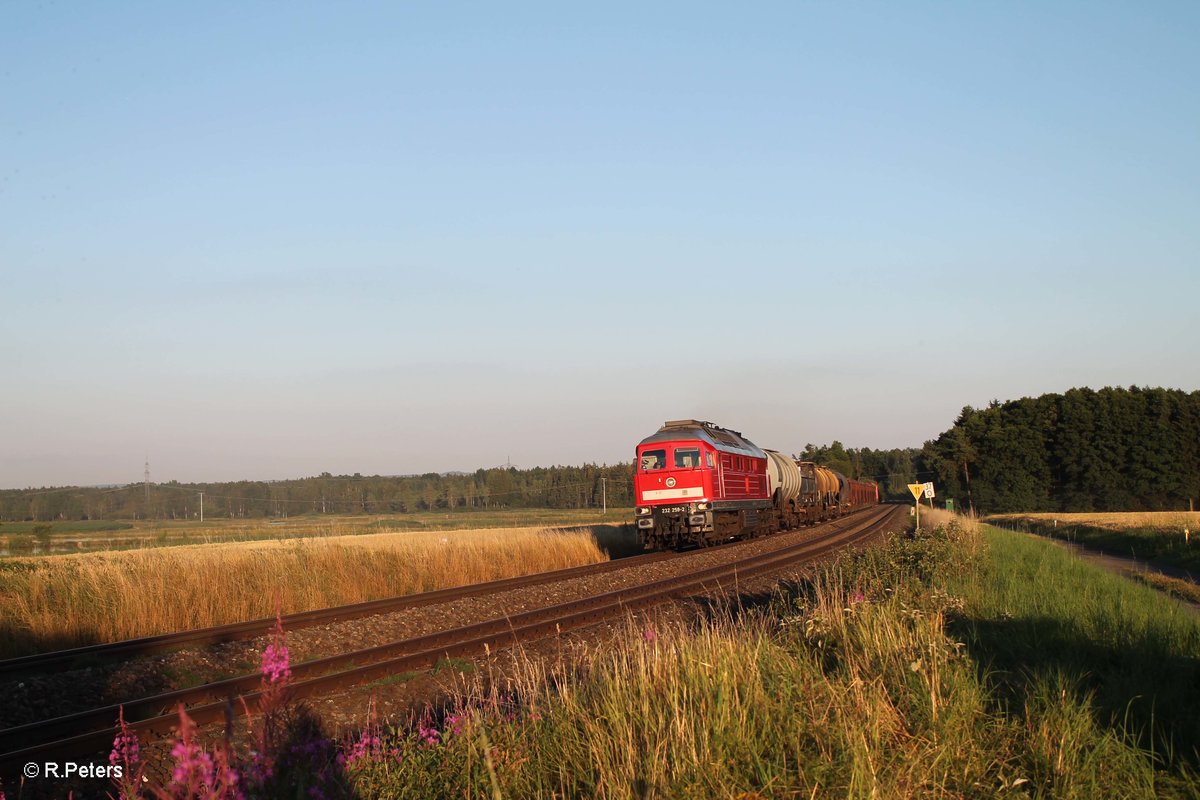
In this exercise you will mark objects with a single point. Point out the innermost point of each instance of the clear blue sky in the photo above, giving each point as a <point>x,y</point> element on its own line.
<point>268,240</point>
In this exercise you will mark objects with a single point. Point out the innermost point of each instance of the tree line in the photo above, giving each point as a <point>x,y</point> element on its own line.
<point>588,486</point>
<point>1112,449</point>
<point>1135,449</point>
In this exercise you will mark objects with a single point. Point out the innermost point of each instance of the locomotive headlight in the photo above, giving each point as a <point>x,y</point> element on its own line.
<point>642,511</point>
<point>702,506</point>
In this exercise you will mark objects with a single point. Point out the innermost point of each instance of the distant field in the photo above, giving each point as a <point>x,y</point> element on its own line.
<point>68,526</point>
<point>31,538</point>
<point>1148,535</point>
<point>57,601</point>
<point>1164,521</point>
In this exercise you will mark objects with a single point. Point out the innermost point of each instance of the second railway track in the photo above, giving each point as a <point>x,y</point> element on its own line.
<point>91,730</point>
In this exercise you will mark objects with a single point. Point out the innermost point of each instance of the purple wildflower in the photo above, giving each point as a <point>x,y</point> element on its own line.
<point>193,766</point>
<point>858,597</point>
<point>427,730</point>
<point>126,755</point>
<point>365,747</point>
<point>368,746</point>
<point>197,774</point>
<point>454,724</point>
<point>125,750</point>
<point>276,668</point>
<point>227,779</point>
<point>428,734</point>
<point>261,768</point>
<point>649,635</point>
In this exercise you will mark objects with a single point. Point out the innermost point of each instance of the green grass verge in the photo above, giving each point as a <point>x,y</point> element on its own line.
<point>954,664</point>
<point>1148,544</point>
<point>1055,635</point>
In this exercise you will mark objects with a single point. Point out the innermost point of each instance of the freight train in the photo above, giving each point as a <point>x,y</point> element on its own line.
<point>696,483</point>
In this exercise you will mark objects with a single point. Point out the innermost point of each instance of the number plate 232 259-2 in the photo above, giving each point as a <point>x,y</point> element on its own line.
<point>672,509</point>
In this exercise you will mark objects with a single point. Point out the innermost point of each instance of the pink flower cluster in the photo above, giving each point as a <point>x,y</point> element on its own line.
<point>364,748</point>
<point>126,754</point>
<point>193,766</point>
<point>454,724</point>
<point>126,751</point>
<point>197,774</point>
<point>429,733</point>
<point>276,668</point>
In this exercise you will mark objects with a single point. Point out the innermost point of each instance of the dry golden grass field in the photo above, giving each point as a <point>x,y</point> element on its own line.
<point>1116,521</point>
<point>58,601</point>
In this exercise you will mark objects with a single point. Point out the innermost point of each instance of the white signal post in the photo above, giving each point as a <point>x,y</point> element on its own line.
<point>917,490</point>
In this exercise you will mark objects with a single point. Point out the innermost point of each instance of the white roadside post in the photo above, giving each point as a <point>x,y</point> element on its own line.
<point>917,490</point>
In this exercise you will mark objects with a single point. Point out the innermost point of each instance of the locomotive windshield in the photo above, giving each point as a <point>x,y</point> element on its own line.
<point>687,457</point>
<point>653,459</point>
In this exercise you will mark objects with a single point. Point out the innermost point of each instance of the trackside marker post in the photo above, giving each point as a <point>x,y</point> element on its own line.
<point>917,490</point>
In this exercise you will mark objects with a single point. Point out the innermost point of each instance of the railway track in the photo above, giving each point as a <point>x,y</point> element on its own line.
<point>92,730</point>
<point>90,655</point>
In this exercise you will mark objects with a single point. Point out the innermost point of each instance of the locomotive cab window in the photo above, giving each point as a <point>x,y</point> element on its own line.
<point>687,457</point>
<point>653,459</point>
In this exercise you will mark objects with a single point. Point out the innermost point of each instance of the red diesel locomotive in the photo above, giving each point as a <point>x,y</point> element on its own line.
<point>698,483</point>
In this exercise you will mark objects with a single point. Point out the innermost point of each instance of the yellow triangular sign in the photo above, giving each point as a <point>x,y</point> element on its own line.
<point>916,489</point>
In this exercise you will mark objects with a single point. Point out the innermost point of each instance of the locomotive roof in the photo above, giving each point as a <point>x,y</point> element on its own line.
<point>716,436</point>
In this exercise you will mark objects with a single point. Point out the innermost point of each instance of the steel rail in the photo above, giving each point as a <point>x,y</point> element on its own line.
<point>323,676</point>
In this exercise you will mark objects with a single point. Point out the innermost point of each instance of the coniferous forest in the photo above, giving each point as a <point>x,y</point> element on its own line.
<point>1108,450</point>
